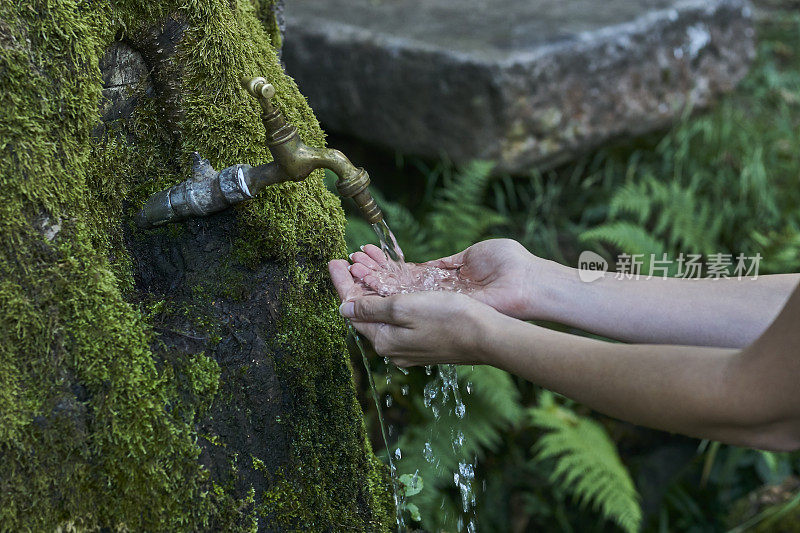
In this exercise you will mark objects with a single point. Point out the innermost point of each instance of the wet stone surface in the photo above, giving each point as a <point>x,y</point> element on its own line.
<point>230,312</point>
<point>524,83</point>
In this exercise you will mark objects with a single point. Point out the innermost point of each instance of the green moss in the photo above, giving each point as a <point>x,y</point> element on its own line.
<point>95,430</point>
<point>315,375</point>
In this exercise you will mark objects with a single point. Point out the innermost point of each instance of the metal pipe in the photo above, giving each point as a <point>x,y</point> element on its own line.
<point>208,191</point>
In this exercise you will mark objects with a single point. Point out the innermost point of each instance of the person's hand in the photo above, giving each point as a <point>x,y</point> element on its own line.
<point>501,273</point>
<point>422,328</point>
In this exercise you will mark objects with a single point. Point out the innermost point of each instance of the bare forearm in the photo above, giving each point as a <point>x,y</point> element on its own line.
<point>695,391</point>
<point>725,312</point>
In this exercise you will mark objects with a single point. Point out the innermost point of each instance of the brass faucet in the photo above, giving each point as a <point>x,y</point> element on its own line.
<point>209,191</point>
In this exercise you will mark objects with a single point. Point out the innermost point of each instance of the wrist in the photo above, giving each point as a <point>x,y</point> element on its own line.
<point>485,325</point>
<point>555,293</point>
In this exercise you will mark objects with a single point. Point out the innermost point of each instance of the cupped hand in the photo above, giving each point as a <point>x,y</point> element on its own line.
<point>500,273</point>
<point>421,328</point>
<point>377,275</point>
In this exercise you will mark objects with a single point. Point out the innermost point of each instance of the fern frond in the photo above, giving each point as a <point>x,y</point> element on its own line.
<point>626,236</point>
<point>411,237</point>
<point>633,199</point>
<point>587,464</point>
<point>458,217</point>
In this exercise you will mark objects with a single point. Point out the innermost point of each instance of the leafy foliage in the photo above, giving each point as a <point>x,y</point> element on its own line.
<point>722,182</point>
<point>586,462</point>
<point>456,217</point>
<point>492,409</point>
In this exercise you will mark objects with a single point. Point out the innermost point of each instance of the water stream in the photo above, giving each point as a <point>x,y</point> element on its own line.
<point>399,278</point>
<point>388,244</point>
<point>398,495</point>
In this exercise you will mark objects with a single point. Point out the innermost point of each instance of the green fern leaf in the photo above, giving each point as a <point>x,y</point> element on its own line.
<point>492,408</point>
<point>626,236</point>
<point>587,465</point>
<point>633,199</point>
<point>458,218</point>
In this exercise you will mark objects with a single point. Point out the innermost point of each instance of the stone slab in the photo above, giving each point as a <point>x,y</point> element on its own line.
<point>525,83</point>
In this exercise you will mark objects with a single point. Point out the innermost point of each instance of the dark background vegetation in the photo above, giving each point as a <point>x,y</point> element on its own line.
<point>721,181</point>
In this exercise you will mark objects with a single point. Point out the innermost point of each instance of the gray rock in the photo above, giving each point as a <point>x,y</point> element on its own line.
<point>530,83</point>
<point>122,69</point>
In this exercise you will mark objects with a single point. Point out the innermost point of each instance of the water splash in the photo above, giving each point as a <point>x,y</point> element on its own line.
<point>437,396</point>
<point>399,277</point>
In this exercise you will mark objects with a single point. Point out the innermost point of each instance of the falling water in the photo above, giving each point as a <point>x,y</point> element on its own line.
<point>389,244</point>
<point>437,396</point>
<point>398,495</point>
<point>443,386</point>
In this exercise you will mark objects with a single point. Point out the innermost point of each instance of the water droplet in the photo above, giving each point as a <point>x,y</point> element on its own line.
<point>427,452</point>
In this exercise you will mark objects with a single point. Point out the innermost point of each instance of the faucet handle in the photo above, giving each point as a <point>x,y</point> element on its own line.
<point>259,88</point>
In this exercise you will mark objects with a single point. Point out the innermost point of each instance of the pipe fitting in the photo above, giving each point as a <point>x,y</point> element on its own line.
<point>206,192</point>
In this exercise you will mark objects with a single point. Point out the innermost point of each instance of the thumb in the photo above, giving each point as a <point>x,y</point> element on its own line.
<point>370,309</point>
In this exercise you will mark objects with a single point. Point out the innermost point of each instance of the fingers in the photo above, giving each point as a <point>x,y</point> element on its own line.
<point>387,340</point>
<point>360,271</point>
<point>368,330</point>
<point>371,256</point>
<point>342,279</point>
<point>381,286</point>
<point>368,278</point>
<point>374,309</point>
<point>375,253</point>
<point>364,259</point>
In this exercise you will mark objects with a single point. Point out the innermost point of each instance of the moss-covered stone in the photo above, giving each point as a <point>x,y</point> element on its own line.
<point>105,420</point>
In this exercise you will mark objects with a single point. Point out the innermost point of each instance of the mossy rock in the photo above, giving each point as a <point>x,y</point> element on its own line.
<point>189,378</point>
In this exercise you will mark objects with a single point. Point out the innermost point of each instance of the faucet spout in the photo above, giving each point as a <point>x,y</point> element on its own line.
<point>208,191</point>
